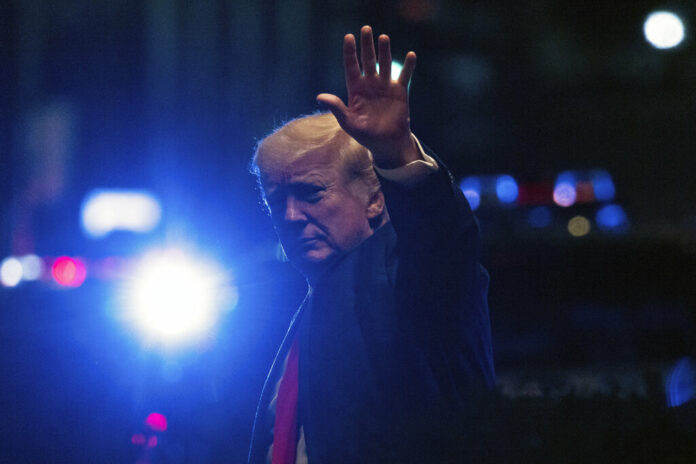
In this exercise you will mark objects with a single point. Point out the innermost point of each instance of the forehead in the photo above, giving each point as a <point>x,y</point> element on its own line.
<point>318,165</point>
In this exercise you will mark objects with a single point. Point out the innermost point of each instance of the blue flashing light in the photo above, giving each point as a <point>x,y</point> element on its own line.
<point>603,185</point>
<point>540,217</point>
<point>474,199</point>
<point>105,211</point>
<point>506,189</point>
<point>567,177</point>
<point>176,297</point>
<point>681,383</point>
<point>612,217</point>
<point>471,187</point>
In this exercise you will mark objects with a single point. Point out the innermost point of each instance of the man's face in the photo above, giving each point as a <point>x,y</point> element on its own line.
<point>314,210</point>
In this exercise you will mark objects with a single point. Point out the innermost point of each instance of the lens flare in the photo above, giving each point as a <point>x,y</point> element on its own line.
<point>174,296</point>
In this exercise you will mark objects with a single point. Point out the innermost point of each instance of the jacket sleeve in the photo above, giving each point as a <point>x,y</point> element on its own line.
<point>441,286</point>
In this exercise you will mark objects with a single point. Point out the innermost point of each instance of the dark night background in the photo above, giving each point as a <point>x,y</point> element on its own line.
<point>589,332</point>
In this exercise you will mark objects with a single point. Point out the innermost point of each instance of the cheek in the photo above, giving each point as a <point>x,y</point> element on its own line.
<point>348,224</point>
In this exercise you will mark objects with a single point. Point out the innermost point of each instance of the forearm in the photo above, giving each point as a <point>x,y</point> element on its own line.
<point>424,203</point>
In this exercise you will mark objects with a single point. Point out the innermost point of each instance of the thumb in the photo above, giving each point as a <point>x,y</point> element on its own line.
<point>336,106</point>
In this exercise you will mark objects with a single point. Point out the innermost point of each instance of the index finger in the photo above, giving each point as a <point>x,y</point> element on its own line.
<point>350,60</point>
<point>367,51</point>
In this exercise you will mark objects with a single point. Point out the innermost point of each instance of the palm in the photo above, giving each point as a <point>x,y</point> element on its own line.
<point>376,109</point>
<point>377,114</point>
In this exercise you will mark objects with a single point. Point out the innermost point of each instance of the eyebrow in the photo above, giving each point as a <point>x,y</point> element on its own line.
<point>307,186</point>
<point>296,187</point>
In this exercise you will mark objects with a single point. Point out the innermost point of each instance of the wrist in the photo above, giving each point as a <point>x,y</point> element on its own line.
<point>397,154</point>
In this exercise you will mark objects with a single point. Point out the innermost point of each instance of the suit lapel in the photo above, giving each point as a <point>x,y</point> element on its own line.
<point>271,379</point>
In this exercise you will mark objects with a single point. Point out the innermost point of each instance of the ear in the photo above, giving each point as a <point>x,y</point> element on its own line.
<point>375,207</point>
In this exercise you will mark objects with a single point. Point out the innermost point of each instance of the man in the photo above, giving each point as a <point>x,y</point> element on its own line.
<point>384,358</point>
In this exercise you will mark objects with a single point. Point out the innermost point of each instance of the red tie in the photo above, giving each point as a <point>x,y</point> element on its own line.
<point>285,429</point>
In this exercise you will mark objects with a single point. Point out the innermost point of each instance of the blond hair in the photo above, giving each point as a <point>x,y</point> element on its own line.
<point>318,131</point>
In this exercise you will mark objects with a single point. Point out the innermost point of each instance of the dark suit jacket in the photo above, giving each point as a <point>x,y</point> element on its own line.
<point>394,339</point>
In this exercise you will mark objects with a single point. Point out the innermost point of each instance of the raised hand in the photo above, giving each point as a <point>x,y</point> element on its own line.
<point>377,114</point>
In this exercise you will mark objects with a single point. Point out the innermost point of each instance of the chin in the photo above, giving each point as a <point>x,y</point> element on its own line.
<point>313,261</point>
<point>317,257</point>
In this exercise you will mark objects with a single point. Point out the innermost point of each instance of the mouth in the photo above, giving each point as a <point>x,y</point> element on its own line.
<point>302,243</point>
<point>308,241</point>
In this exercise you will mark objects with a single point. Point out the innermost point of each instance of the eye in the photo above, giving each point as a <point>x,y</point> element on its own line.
<point>275,202</point>
<point>310,193</point>
<point>313,197</point>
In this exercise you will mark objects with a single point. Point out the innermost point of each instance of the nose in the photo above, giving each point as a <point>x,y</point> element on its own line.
<point>293,210</point>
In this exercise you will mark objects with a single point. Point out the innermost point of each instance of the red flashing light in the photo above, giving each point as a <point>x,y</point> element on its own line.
<point>156,421</point>
<point>69,272</point>
<point>585,192</point>
<point>532,194</point>
<point>138,439</point>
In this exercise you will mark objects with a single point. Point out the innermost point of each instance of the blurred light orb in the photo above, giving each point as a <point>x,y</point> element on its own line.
<point>10,272</point>
<point>471,188</point>
<point>612,217</point>
<point>506,188</point>
<point>663,29</point>
<point>138,439</point>
<point>584,192</point>
<point>105,211</point>
<point>156,421</point>
<point>579,226</point>
<point>603,185</point>
<point>474,198</point>
<point>540,217</point>
<point>564,194</point>
<point>69,272</point>
<point>681,383</point>
<point>175,297</point>
<point>32,267</point>
<point>395,69</point>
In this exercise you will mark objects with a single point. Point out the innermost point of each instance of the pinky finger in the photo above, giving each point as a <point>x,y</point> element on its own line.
<point>407,70</point>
